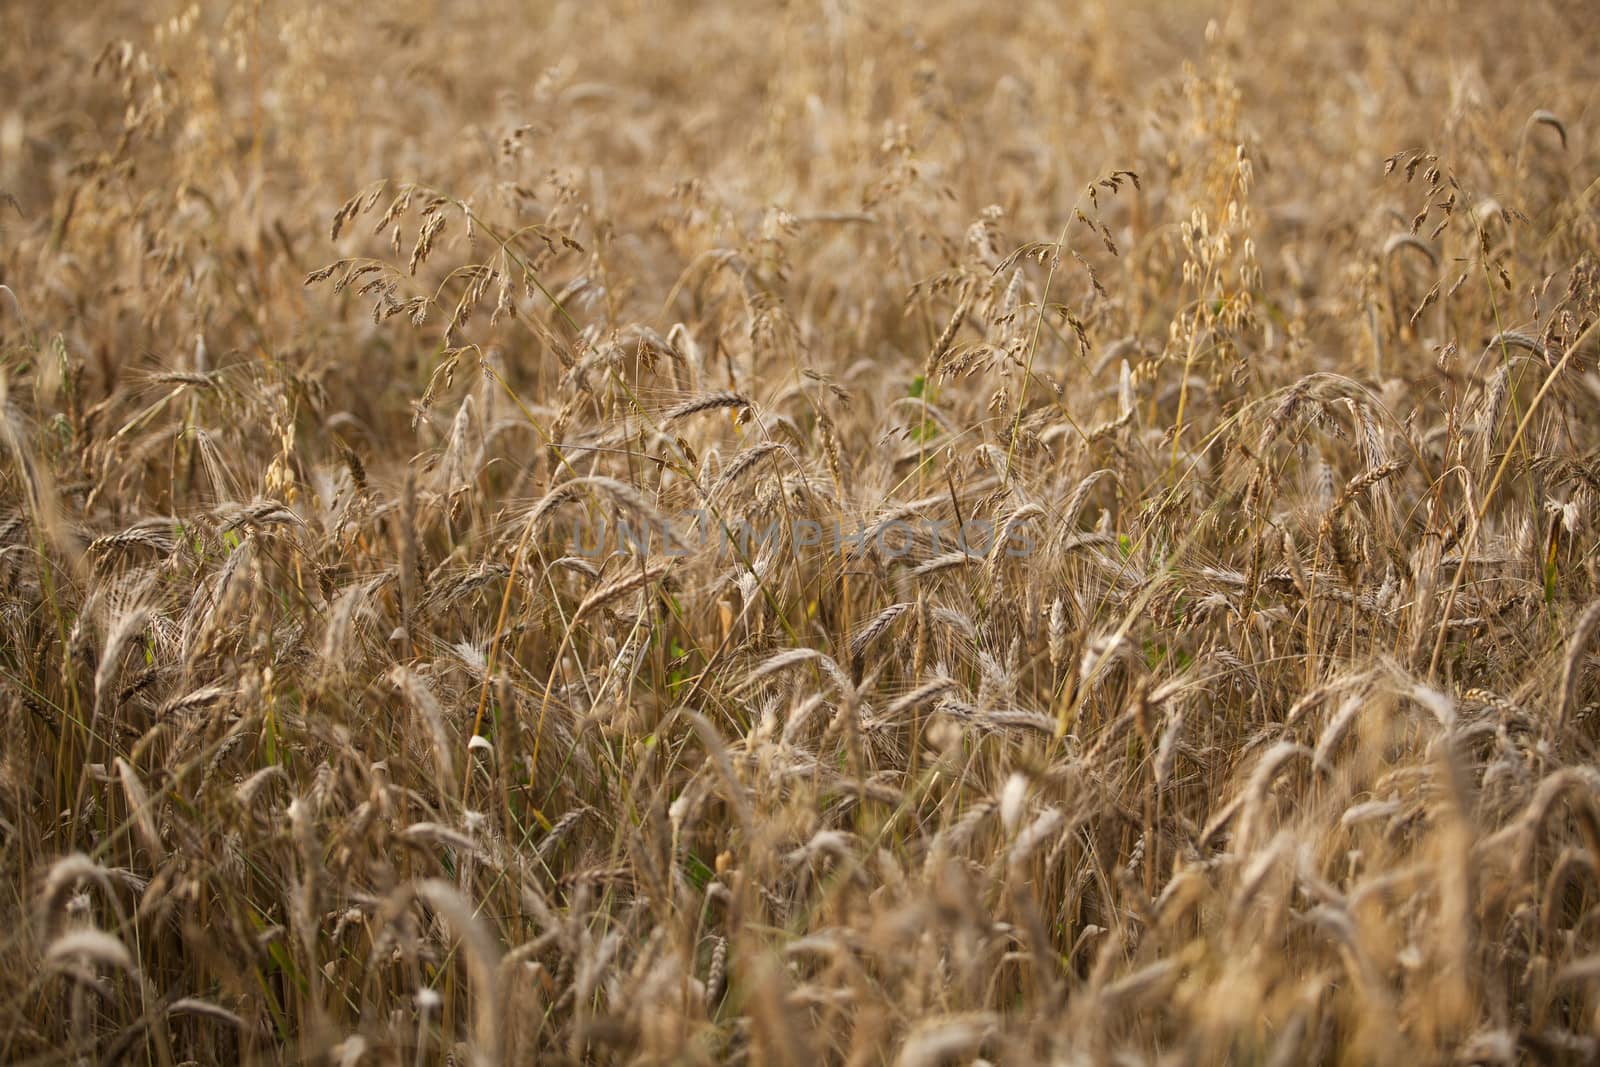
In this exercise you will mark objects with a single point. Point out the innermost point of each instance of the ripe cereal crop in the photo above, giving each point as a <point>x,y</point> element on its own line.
<point>799,533</point>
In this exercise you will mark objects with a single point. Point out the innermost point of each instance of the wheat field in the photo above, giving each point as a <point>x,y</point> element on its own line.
<point>797,533</point>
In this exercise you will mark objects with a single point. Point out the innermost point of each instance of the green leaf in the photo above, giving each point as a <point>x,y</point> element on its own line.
<point>699,874</point>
